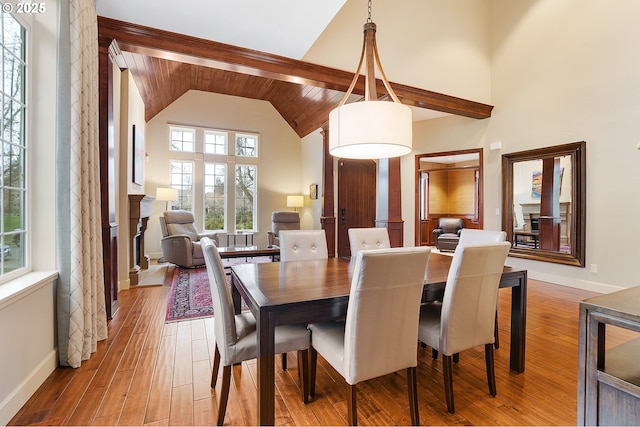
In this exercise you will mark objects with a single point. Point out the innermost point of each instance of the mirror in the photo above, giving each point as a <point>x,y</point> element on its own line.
<point>448,184</point>
<point>543,203</point>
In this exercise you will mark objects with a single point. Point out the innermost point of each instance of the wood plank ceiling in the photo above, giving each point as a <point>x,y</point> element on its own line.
<point>165,65</point>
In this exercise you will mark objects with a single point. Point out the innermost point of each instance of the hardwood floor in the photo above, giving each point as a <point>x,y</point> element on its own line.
<point>151,373</point>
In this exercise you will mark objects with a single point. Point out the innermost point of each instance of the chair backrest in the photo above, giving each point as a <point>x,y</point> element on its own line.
<point>470,296</point>
<point>181,222</point>
<point>284,220</point>
<point>470,236</point>
<point>368,238</point>
<point>225,322</point>
<point>535,223</point>
<point>450,225</point>
<point>300,245</point>
<point>381,327</point>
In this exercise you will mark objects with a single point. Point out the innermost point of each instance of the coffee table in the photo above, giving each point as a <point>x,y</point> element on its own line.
<point>249,251</point>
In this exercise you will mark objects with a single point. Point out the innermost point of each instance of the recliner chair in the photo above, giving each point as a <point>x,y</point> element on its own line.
<point>282,220</point>
<point>447,235</point>
<point>181,240</point>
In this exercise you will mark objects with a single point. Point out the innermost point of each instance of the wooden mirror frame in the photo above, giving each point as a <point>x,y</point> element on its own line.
<point>576,150</point>
<point>418,157</point>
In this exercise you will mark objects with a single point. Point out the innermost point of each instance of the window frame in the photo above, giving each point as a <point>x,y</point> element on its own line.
<point>23,146</point>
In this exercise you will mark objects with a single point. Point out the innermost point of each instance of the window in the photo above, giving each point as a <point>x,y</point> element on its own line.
<point>182,180</point>
<point>215,142</point>
<point>13,46</point>
<point>207,162</point>
<point>245,197</point>
<point>215,188</point>
<point>182,139</point>
<point>246,145</point>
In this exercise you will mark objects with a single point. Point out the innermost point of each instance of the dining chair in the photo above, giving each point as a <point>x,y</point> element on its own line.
<point>465,318</point>
<point>301,245</point>
<point>235,334</point>
<point>380,332</point>
<point>368,238</point>
<point>470,236</point>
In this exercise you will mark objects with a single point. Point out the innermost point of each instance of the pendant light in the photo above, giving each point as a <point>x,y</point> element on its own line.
<point>370,129</point>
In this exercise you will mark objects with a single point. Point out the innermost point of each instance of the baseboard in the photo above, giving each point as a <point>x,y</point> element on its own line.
<point>573,283</point>
<point>18,397</point>
<point>124,284</point>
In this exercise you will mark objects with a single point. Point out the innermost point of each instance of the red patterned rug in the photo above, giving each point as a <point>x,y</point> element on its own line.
<point>190,295</point>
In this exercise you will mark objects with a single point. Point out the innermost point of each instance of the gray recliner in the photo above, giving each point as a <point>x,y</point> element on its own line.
<point>181,240</point>
<point>282,220</point>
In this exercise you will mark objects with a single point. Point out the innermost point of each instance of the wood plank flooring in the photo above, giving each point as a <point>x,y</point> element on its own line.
<point>151,373</point>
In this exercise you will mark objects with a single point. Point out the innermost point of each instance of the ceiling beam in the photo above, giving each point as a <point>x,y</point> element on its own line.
<point>183,48</point>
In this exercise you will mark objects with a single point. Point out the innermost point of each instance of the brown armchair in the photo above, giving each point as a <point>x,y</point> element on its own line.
<point>282,220</point>
<point>181,240</point>
<point>447,235</point>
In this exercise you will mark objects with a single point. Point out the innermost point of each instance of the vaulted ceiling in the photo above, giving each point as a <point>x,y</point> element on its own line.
<point>165,65</point>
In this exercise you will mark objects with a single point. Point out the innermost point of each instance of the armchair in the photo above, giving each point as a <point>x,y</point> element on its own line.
<point>282,220</point>
<point>447,234</point>
<point>181,241</point>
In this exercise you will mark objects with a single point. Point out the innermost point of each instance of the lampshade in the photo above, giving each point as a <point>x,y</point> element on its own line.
<point>295,201</point>
<point>370,129</point>
<point>166,194</point>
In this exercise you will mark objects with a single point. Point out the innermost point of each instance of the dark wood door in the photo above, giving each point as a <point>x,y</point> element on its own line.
<point>356,199</point>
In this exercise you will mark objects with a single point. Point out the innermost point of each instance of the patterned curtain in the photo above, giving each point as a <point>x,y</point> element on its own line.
<point>82,320</point>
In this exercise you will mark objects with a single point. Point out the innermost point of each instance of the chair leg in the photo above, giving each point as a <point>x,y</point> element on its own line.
<point>434,354</point>
<point>456,358</point>
<point>313,363</point>
<point>352,412</point>
<point>496,342</point>
<point>303,373</point>
<point>284,361</point>
<point>491,372</point>
<point>448,382</point>
<point>224,394</point>
<point>216,366</point>
<point>412,386</point>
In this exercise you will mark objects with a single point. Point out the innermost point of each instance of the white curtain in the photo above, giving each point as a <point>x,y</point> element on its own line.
<point>81,300</point>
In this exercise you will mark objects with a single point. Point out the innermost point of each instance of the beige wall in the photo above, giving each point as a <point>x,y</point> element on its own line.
<point>279,167</point>
<point>28,347</point>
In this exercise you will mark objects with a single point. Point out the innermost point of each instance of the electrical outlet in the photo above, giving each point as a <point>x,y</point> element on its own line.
<point>594,268</point>
<point>498,212</point>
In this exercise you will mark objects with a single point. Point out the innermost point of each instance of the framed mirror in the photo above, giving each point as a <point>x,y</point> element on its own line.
<point>543,203</point>
<point>448,184</point>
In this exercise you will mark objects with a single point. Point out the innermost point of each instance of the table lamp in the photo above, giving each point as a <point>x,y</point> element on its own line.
<point>166,195</point>
<point>295,202</point>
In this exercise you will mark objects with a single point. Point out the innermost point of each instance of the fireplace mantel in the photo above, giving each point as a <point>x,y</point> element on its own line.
<point>139,213</point>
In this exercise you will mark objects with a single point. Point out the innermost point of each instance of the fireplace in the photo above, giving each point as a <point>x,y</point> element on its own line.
<point>139,212</point>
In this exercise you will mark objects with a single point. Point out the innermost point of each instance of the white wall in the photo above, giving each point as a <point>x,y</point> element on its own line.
<point>563,71</point>
<point>129,112</point>
<point>312,151</point>
<point>27,320</point>
<point>279,168</point>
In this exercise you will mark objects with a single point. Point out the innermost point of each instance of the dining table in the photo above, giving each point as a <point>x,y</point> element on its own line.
<point>303,292</point>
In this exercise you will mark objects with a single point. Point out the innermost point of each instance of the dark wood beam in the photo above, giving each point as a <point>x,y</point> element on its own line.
<point>183,48</point>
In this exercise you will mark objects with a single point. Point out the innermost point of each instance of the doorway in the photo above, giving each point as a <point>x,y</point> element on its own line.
<point>448,184</point>
<point>356,199</point>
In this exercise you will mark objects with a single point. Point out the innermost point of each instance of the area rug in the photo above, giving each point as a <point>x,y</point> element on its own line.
<point>190,295</point>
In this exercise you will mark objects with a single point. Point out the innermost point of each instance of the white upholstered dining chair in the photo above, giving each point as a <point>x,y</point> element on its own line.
<point>470,236</point>
<point>465,319</point>
<point>380,332</point>
<point>368,238</point>
<point>235,334</point>
<point>301,245</point>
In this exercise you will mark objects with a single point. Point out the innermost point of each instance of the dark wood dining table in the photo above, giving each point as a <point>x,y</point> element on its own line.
<point>304,292</point>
